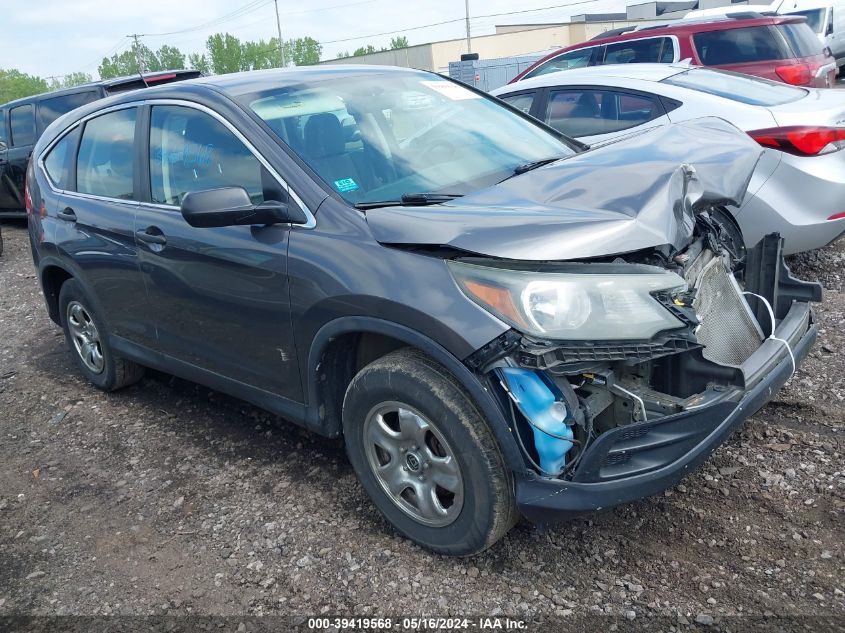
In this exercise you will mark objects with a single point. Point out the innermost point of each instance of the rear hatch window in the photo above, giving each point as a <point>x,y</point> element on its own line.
<point>741,46</point>
<point>742,88</point>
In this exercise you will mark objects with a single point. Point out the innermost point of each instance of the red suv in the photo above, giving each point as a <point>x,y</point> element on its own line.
<point>782,48</point>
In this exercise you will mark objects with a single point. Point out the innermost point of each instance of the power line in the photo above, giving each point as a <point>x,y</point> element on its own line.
<point>244,10</point>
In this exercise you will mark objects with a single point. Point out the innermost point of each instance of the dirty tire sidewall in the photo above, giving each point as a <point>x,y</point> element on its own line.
<point>412,378</point>
<point>117,372</point>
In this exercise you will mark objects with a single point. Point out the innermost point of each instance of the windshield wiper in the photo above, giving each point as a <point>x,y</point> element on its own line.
<point>411,200</point>
<point>521,169</point>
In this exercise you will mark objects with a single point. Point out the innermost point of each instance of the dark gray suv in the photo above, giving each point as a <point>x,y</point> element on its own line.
<point>499,321</point>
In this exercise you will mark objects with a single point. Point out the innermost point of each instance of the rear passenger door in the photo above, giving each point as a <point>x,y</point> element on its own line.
<point>596,114</point>
<point>219,296</point>
<point>93,169</point>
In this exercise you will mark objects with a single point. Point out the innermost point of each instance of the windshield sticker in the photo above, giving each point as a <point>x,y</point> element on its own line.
<point>450,90</point>
<point>346,185</point>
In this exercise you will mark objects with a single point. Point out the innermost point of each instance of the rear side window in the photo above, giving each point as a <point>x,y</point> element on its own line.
<point>801,39</point>
<point>742,88</point>
<point>522,101</point>
<point>57,163</point>
<point>3,140</point>
<point>23,125</point>
<point>572,59</point>
<point>106,161</point>
<point>587,112</point>
<point>192,151</point>
<point>51,109</point>
<point>650,50</point>
<point>739,46</point>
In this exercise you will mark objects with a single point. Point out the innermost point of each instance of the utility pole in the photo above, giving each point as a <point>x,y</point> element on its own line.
<point>469,40</point>
<point>138,56</point>
<point>279,30</point>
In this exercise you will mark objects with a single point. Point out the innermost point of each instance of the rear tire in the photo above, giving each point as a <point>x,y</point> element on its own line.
<point>87,339</point>
<point>425,456</point>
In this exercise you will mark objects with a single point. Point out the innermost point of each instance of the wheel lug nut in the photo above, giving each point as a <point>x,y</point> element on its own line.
<point>405,468</point>
<point>403,449</point>
<point>427,465</point>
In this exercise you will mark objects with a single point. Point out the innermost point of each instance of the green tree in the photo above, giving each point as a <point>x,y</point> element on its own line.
<point>169,58</point>
<point>69,81</point>
<point>364,50</point>
<point>224,53</point>
<point>14,85</point>
<point>199,62</point>
<point>399,42</point>
<point>119,64</point>
<point>305,51</point>
<point>260,55</point>
<point>343,55</point>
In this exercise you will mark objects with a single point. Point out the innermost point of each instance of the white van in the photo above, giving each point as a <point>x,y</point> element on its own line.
<point>826,18</point>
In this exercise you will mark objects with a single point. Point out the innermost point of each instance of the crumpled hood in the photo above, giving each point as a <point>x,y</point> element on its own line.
<point>637,193</point>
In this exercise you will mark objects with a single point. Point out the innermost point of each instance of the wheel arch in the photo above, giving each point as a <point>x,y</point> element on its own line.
<point>342,346</point>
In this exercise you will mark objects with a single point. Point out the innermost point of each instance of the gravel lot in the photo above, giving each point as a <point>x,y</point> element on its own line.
<point>169,498</point>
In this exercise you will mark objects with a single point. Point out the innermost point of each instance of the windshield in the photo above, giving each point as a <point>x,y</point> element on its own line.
<point>742,88</point>
<point>814,18</point>
<point>379,137</point>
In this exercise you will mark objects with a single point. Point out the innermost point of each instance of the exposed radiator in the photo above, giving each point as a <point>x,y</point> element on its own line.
<point>728,329</point>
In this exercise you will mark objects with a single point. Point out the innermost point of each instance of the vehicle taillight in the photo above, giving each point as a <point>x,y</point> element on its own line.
<point>837,216</point>
<point>797,75</point>
<point>27,199</point>
<point>802,140</point>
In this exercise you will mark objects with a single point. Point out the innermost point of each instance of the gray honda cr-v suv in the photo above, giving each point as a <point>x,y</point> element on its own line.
<point>499,321</point>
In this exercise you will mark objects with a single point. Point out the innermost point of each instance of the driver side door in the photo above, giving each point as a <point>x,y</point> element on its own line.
<point>219,296</point>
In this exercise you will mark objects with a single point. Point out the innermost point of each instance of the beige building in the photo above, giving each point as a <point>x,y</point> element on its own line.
<point>508,41</point>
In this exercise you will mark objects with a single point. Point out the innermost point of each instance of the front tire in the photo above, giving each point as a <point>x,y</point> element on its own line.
<point>425,456</point>
<point>87,339</point>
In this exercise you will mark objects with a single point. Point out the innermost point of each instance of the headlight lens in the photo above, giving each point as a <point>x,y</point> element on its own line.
<point>572,306</point>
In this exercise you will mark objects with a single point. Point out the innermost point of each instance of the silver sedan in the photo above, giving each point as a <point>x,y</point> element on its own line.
<point>798,188</point>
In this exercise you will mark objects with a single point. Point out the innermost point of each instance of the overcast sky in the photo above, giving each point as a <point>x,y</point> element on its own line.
<point>57,37</point>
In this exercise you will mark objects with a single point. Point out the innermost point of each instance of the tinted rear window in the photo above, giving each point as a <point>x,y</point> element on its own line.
<point>23,125</point>
<point>740,46</point>
<point>801,39</point>
<point>51,109</point>
<point>742,88</point>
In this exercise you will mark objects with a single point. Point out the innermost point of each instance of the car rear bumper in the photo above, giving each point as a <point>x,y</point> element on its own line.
<point>636,461</point>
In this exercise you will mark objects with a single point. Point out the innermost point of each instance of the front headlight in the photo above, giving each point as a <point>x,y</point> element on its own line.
<point>594,306</point>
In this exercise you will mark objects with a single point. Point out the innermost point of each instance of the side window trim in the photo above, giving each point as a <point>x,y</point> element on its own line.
<point>312,222</point>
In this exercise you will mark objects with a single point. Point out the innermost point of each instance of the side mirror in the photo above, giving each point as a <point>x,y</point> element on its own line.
<point>231,206</point>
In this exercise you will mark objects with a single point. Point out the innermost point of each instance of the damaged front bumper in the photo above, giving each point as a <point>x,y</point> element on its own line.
<point>605,423</point>
<point>638,460</point>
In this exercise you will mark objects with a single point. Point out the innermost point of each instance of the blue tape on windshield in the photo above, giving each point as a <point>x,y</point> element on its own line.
<point>345,185</point>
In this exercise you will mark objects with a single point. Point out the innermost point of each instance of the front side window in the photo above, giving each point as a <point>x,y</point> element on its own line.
<point>399,133</point>
<point>736,87</point>
<point>585,112</point>
<point>192,151</point>
<point>106,161</point>
<point>522,101</point>
<point>650,50</point>
<point>51,109</point>
<point>57,163</point>
<point>23,125</point>
<point>739,46</point>
<point>573,59</point>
